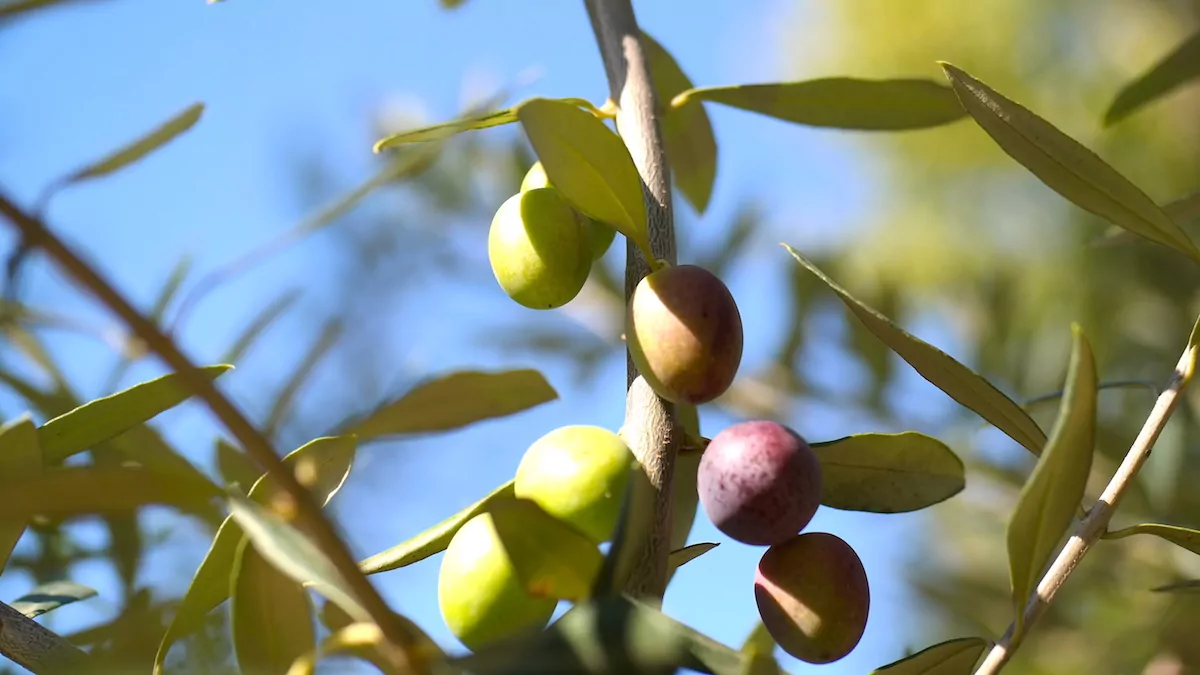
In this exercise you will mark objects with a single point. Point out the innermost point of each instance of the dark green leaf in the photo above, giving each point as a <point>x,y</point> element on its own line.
<point>431,541</point>
<point>959,382</point>
<point>456,400</point>
<point>76,491</point>
<point>20,458</point>
<point>1180,536</point>
<point>689,553</point>
<point>51,596</point>
<point>953,657</point>
<point>841,102</point>
<point>328,459</point>
<point>524,530</point>
<point>589,164</point>
<point>235,466</point>
<point>887,473</point>
<point>148,143</point>
<point>445,130</point>
<point>270,615</point>
<point>1066,166</point>
<point>1052,494</point>
<point>686,130</point>
<point>105,418</point>
<point>1187,586</point>
<point>1174,70</point>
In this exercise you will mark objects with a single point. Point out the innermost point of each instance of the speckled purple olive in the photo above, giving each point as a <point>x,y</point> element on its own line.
<point>759,482</point>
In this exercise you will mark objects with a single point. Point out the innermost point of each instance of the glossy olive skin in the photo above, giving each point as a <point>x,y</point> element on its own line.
<point>578,473</point>
<point>684,334</point>
<point>813,596</point>
<point>600,236</point>
<point>538,250</point>
<point>759,482</point>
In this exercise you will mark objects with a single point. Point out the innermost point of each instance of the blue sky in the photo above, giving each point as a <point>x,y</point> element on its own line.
<point>282,76</point>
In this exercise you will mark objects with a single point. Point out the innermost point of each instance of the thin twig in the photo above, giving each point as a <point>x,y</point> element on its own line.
<point>1096,523</point>
<point>36,648</point>
<point>307,511</point>
<point>650,427</point>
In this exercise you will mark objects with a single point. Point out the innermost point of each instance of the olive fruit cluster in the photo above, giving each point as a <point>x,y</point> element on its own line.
<point>578,475</point>
<point>760,483</point>
<point>540,247</point>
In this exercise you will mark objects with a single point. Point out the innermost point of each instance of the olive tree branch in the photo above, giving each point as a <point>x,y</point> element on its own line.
<point>308,512</point>
<point>1095,523</point>
<point>650,428</point>
<point>36,648</point>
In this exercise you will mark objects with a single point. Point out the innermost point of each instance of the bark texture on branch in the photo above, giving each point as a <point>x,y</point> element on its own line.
<point>36,648</point>
<point>650,427</point>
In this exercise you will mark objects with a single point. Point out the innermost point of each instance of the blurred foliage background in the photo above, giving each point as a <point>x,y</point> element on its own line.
<point>951,239</point>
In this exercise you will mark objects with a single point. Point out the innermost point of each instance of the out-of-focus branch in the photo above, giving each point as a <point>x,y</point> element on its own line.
<point>36,648</point>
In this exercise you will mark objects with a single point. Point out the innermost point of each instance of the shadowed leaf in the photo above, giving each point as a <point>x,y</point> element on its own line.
<point>270,615</point>
<point>1170,73</point>
<point>959,382</point>
<point>76,491</point>
<point>953,657</point>
<point>1180,536</point>
<point>148,143</point>
<point>887,473</point>
<point>51,596</point>
<point>235,466</point>
<point>456,400</point>
<point>20,458</point>
<point>687,554</point>
<point>841,102</point>
<point>1053,492</point>
<point>1066,166</point>
<point>523,529</point>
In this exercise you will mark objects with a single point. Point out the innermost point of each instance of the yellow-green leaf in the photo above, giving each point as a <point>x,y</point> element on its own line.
<point>589,164</point>
<point>759,640</point>
<point>1180,536</point>
<point>841,102</point>
<point>687,554</point>
<point>1170,73</point>
<point>1052,494</point>
<point>431,541</point>
<point>437,132</point>
<point>106,418</point>
<point>148,143</point>
<point>888,473</point>
<point>20,458</point>
<point>952,657</point>
<point>687,132</point>
<point>50,596</point>
<point>355,639</point>
<point>76,491</point>
<point>758,663</point>
<point>524,530</point>
<point>327,459</point>
<point>270,618</point>
<point>959,382</point>
<point>1066,166</point>
<point>456,400</point>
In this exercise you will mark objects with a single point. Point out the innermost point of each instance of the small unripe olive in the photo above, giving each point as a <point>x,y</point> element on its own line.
<point>600,236</point>
<point>538,250</point>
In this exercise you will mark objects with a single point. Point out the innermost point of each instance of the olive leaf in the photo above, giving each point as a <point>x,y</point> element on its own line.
<point>1180,536</point>
<point>270,617</point>
<point>1170,73</point>
<point>86,490</point>
<point>887,473</point>
<point>50,596</point>
<point>1185,586</point>
<point>148,143</point>
<point>952,657</point>
<point>443,130</point>
<point>685,555</point>
<point>20,458</point>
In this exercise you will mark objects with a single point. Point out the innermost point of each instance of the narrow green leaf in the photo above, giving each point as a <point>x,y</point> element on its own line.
<point>148,143</point>
<point>758,663</point>
<point>329,460</point>
<point>940,369</point>
<point>50,596</point>
<point>1052,494</point>
<point>589,164</point>
<point>431,541</point>
<point>270,616</point>
<point>456,400</point>
<point>888,473</point>
<point>76,491</point>
<point>687,554</point>
<point>257,326</point>
<point>445,130</point>
<point>1180,536</point>
<point>952,657</point>
<point>106,418</point>
<point>10,10</point>
<point>291,552</point>
<point>759,640</point>
<point>687,131</point>
<point>1186,586</point>
<point>235,466</point>
<point>1170,73</point>
<point>20,458</point>
<point>1066,166</point>
<point>524,530</point>
<point>841,102</point>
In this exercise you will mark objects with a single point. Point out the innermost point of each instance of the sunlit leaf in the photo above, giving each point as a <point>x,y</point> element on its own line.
<point>327,460</point>
<point>148,143</point>
<point>456,400</point>
<point>433,540</point>
<point>687,554</point>
<point>759,663</point>
<point>888,473</point>
<point>422,647</point>
<point>759,640</point>
<point>1180,536</point>
<point>1170,73</point>
<point>351,639</point>
<point>953,657</point>
<point>524,529</point>
<point>1066,166</point>
<point>270,617</point>
<point>1052,494</point>
<point>589,164</point>
<point>50,596</point>
<point>83,490</point>
<point>105,418</point>
<point>687,132</point>
<point>841,102</point>
<point>444,130</point>
<point>959,382</point>
<point>20,458</point>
